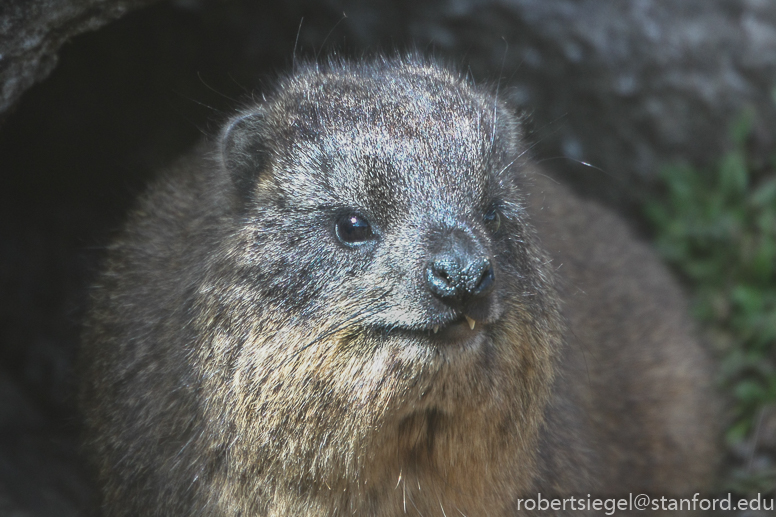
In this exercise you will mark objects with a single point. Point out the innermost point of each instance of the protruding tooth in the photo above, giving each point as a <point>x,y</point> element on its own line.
<point>436,329</point>
<point>471,321</point>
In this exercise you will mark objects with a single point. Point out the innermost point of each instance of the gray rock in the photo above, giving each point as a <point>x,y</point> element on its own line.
<point>767,428</point>
<point>31,32</point>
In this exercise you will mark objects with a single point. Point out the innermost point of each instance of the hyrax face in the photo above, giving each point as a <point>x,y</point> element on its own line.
<point>344,293</point>
<point>381,248</point>
<point>380,304</point>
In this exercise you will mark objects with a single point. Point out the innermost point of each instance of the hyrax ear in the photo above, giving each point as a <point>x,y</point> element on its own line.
<point>245,151</point>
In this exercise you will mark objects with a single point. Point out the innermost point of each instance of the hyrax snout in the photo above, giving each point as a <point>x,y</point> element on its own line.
<point>362,298</point>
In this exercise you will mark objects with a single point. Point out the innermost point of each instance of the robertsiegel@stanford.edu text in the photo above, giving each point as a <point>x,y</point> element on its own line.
<point>643,502</point>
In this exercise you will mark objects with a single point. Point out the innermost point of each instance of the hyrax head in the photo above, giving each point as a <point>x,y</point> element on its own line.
<point>379,231</point>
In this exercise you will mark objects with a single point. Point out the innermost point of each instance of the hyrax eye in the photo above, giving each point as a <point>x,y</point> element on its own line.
<point>353,229</point>
<point>493,220</point>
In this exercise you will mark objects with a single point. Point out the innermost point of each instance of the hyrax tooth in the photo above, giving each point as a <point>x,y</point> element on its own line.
<point>471,322</point>
<point>436,329</point>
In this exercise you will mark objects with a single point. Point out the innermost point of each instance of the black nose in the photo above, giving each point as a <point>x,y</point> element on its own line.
<point>457,275</point>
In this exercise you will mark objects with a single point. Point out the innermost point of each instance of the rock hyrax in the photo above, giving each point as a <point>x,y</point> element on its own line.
<point>363,299</point>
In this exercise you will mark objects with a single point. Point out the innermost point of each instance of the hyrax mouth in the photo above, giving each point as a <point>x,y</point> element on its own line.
<point>451,331</point>
<point>461,328</point>
<point>469,320</point>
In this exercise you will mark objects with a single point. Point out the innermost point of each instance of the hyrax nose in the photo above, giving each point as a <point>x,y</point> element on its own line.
<point>459,273</point>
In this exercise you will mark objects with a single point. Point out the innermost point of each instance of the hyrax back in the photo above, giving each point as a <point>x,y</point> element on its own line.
<point>362,299</point>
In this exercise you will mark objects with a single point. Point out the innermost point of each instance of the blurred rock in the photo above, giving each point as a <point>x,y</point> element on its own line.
<point>31,32</point>
<point>767,431</point>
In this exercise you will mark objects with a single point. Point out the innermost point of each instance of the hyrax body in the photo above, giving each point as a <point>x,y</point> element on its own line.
<point>363,299</point>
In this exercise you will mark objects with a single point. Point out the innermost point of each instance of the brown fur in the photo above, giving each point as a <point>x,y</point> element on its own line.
<point>239,360</point>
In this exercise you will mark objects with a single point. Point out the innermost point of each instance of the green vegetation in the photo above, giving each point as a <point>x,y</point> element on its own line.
<point>717,227</point>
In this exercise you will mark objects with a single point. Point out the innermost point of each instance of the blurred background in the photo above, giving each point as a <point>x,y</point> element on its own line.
<point>663,110</point>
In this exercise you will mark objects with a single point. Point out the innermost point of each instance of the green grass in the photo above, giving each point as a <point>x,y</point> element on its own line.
<point>717,227</point>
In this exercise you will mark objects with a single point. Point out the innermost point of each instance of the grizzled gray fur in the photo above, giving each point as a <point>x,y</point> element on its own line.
<point>364,299</point>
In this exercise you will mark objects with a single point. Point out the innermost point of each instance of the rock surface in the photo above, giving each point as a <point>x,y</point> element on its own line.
<point>32,31</point>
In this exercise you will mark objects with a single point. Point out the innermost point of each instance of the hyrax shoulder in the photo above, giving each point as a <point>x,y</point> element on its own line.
<point>363,299</point>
